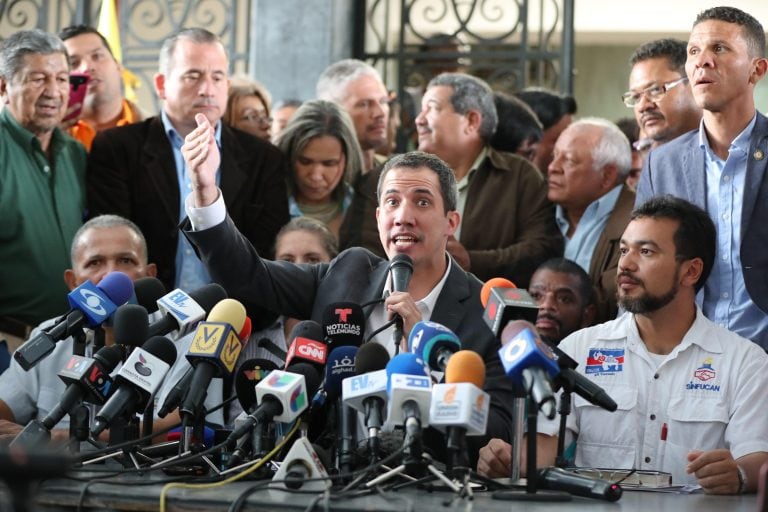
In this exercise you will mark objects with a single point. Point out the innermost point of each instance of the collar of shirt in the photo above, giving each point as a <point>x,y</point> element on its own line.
<point>176,139</point>
<point>27,139</point>
<point>695,335</point>
<point>740,143</point>
<point>598,209</point>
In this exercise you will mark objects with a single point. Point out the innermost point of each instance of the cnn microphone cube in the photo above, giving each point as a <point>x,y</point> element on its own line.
<point>459,405</point>
<point>404,388</point>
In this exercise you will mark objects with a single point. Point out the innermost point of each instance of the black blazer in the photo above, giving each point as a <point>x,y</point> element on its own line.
<point>131,172</point>
<point>355,275</point>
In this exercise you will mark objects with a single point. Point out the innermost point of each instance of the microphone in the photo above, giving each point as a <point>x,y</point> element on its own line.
<point>245,332</point>
<point>460,406</point>
<point>182,311</point>
<point>282,397</point>
<point>434,344</point>
<point>131,325</point>
<point>307,345</point>
<point>148,290</point>
<point>558,479</point>
<point>137,381</point>
<point>367,391</point>
<point>401,270</point>
<point>90,304</point>
<point>503,302</point>
<point>343,324</point>
<point>341,364</point>
<point>409,392</point>
<point>567,377</point>
<point>530,363</point>
<point>302,467</point>
<point>250,373</point>
<point>214,351</point>
<point>87,379</point>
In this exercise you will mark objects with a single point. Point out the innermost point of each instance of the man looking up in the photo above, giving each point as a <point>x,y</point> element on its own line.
<point>722,166</point>
<point>659,92</point>
<point>416,216</point>
<point>41,182</point>
<point>586,181</point>
<point>104,106</point>
<point>137,171</point>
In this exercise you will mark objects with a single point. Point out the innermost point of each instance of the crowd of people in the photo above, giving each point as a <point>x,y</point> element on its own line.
<point>640,243</point>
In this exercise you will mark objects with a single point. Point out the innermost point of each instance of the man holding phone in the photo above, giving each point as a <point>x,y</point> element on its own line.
<point>42,173</point>
<point>96,81</point>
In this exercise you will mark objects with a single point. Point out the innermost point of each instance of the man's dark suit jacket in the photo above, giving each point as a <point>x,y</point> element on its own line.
<point>678,168</point>
<point>356,275</point>
<point>131,172</point>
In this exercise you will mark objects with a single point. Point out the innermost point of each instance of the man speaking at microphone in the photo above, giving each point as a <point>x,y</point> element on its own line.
<point>689,392</point>
<point>416,215</point>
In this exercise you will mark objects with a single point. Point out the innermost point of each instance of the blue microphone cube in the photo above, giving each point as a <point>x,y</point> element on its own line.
<point>526,350</point>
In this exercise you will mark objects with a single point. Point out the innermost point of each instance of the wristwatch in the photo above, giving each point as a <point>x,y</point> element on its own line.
<point>742,474</point>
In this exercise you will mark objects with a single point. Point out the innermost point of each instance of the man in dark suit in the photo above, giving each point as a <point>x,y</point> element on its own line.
<point>416,216</point>
<point>138,172</point>
<point>721,166</point>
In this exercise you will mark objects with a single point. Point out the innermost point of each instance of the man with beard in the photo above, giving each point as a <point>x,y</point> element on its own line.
<point>686,388</point>
<point>564,294</point>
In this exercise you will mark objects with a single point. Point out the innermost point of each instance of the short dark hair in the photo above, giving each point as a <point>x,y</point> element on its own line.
<point>416,160</point>
<point>550,107</point>
<point>517,123</point>
<point>570,267</point>
<point>674,50</point>
<point>695,236</point>
<point>470,93</point>
<point>629,127</point>
<point>752,29</point>
<point>78,30</point>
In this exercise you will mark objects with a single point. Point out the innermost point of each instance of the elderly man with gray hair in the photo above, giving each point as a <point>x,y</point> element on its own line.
<point>507,224</point>
<point>357,88</point>
<point>41,182</point>
<point>586,180</point>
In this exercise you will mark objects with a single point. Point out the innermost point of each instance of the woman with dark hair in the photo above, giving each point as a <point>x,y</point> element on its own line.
<point>324,157</point>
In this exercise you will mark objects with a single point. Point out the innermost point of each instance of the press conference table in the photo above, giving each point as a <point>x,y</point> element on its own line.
<point>59,495</point>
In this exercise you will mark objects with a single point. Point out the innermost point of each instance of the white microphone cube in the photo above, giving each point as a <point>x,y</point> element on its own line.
<point>354,390</point>
<point>144,370</point>
<point>290,389</point>
<point>404,388</point>
<point>183,308</point>
<point>303,457</point>
<point>459,405</point>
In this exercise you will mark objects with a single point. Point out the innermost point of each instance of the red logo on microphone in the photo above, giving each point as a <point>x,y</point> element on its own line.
<point>343,314</point>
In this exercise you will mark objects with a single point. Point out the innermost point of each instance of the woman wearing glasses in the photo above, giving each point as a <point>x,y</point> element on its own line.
<point>248,108</point>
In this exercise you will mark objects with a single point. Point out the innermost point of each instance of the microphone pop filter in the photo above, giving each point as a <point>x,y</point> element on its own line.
<point>117,286</point>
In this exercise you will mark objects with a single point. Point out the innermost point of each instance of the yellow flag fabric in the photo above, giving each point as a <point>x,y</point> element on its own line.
<point>110,28</point>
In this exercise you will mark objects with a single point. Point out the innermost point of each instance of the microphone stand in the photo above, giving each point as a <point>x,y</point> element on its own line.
<point>564,410</point>
<point>532,493</point>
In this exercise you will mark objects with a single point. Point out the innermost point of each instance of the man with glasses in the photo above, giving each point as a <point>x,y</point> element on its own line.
<point>721,166</point>
<point>137,171</point>
<point>659,92</point>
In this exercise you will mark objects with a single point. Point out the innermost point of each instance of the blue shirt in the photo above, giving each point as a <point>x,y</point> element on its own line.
<point>726,300</point>
<point>581,246</point>
<point>191,274</point>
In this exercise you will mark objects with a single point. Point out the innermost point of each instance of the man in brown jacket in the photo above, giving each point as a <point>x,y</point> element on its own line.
<point>586,181</point>
<point>507,224</point>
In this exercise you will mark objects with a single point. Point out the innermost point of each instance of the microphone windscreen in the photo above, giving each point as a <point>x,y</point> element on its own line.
<point>340,365</point>
<point>496,282</point>
<point>465,366</point>
<point>343,324</point>
<point>371,357</point>
<point>117,286</point>
<point>248,375</point>
<point>228,311</point>
<point>162,348</point>
<point>513,328</point>
<point>109,357</point>
<point>406,364</point>
<point>208,296</point>
<point>148,290</point>
<point>311,376</point>
<point>308,329</point>
<point>245,332</point>
<point>130,326</point>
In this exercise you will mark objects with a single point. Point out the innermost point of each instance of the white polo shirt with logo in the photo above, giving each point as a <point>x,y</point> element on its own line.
<point>710,392</point>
